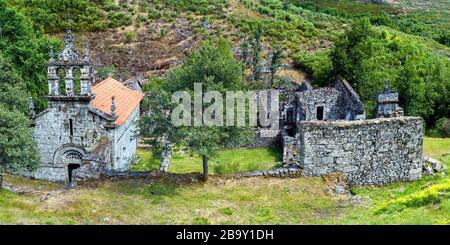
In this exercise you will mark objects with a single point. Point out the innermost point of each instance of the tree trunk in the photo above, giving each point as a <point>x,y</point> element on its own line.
<point>166,157</point>
<point>1,181</point>
<point>205,167</point>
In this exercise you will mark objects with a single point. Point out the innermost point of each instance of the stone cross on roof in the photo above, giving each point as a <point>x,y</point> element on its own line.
<point>113,107</point>
<point>387,86</point>
<point>86,53</point>
<point>69,54</point>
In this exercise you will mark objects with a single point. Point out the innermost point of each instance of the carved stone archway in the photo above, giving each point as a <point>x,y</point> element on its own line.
<point>70,157</point>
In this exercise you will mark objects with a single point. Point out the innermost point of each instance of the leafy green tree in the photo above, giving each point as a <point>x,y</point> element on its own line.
<point>17,148</point>
<point>367,56</point>
<point>155,125</point>
<point>256,54</point>
<point>275,62</point>
<point>12,90</point>
<point>317,64</point>
<point>26,49</point>
<point>214,66</point>
<point>276,58</point>
<point>207,141</point>
<point>22,73</point>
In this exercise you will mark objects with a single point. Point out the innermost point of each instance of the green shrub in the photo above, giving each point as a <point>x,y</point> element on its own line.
<point>130,36</point>
<point>318,64</point>
<point>154,14</point>
<point>227,211</point>
<point>226,168</point>
<point>106,71</point>
<point>430,195</point>
<point>141,18</point>
<point>117,19</point>
<point>200,221</point>
<point>52,16</point>
<point>162,33</point>
<point>441,129</point>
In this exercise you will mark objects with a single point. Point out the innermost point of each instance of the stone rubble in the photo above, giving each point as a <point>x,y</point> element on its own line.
<point>431,166</point>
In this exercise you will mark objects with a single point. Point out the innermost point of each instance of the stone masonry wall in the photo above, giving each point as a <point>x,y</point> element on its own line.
<point>290,149</point>
<point>261,140</point>
<point>126,142</point>
<point>329,98</point>
<point>52,135</point>
<point>369,152</point>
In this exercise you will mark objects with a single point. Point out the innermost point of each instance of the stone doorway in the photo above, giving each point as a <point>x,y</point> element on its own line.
<point>320,113</point>
<point>70,168</point>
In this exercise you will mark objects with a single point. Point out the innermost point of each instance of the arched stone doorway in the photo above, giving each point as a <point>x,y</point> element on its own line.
<point>73,161</point>
<point>70,157</point>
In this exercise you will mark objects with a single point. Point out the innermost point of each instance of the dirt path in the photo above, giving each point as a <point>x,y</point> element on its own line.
<point>25,190</point>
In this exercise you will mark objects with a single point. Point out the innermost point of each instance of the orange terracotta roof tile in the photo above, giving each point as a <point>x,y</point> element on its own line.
<point>126,99</point>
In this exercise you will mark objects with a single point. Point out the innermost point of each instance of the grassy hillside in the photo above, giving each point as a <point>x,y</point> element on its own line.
<point>231,201</point>
<point>151,36</point>
<point>430,19</point>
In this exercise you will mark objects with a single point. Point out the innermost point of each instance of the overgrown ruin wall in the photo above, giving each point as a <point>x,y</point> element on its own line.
<point>290,148</point>
<point>368,152</point>
<point>269,140</point>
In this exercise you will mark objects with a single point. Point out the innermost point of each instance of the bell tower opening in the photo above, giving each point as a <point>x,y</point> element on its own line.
<point>70,74</point>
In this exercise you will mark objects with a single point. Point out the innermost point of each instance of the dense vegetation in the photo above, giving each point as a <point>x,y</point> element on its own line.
<point>369,51</point>
<point>98,15</point>
<point>367,56</point>
<point>432,23</point>
<point>78,15</point>
<point>22,65</point>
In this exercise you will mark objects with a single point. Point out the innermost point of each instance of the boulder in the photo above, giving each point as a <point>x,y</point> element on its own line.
<point>432,163</point>
<point>339,189</point>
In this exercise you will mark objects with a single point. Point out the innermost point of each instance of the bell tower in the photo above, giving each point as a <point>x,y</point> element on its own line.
<point>63,84</point>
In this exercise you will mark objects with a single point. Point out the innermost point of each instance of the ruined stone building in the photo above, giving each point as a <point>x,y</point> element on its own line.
<point>87,128</point>
<point>336,102</point>
<point>324,131</point>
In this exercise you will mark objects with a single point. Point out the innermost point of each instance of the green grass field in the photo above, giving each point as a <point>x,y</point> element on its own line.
<point>230,161</point>
<point>231,201</point>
